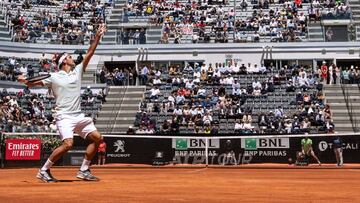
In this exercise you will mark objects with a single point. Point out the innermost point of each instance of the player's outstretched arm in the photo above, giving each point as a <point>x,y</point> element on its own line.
<point>22,79</point>
<point>100,32</point>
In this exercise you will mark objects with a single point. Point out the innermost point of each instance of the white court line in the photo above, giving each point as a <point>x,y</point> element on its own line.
<point>355,170</point>
<point>197,170</point>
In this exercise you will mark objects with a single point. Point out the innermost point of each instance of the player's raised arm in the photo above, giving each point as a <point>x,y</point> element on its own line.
<point>90,52</point>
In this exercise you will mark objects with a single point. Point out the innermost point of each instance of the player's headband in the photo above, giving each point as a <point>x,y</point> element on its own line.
<point>61,60</point>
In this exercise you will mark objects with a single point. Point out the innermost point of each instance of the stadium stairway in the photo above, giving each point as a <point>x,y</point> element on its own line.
<point>4,30</point>
<point>114,20</point>
<point>153,34</point>
<point>88,77</point>
<point>355,9</point>
<point>341,115</point>
<point>315,32</point>
<point>118,113</point>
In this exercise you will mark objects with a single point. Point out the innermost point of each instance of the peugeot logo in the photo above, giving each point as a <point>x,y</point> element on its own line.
<point>120,146</point>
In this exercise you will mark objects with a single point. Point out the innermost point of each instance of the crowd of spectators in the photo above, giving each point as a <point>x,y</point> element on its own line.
<point>203,21</point>
<point>330,9</point>
<point>234,98</point>
<point>117,76</point>
<point>27,4</point>
<point>11,67</point>
<point>26,111</point>
<point>217,21</point>
<point>132,36</point>
<point>73,22</point>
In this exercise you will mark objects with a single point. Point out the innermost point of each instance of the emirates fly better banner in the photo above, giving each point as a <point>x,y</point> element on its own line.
<point>23,149</point>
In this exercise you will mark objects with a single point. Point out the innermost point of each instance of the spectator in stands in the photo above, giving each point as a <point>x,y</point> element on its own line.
<point>324,72</point>
<point>263,122</point>
<point>130,131</point>
<point>136,37</point>
<point>141,130</point>
<point>119,78</point>
<point>165,128</point>
<point>320,119</point>
<point>279,112</point>
<point>238,126</point>
<point>346,75</point>
<point>174,125</point>
<point>144,75</point>
<point>88,92</point>
<point>102,95</point>
<point>329,34</point>
<point>305,125</point>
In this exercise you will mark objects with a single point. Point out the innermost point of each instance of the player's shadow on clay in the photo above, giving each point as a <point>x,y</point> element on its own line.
<point>68,181</point>
<point>59,181</point>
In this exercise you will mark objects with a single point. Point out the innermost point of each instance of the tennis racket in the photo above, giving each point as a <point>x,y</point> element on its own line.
<point>38,78</point>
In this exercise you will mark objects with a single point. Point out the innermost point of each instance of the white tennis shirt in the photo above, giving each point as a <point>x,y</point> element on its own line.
<point>67,90</point>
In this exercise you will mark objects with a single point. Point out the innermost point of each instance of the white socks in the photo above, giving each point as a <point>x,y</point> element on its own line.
<point>85,165</point>
<point>47,165</point>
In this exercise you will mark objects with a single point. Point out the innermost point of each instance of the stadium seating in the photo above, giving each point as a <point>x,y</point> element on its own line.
<point>69,22</point>
<point>278,97</point>
<point>10,67</point>
<point>74,22</point>
<point>240,21</point>
<point>25,111</point>
<point>35,107</point>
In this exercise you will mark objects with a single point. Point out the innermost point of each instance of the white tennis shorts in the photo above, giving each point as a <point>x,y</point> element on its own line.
<point>67,124</point>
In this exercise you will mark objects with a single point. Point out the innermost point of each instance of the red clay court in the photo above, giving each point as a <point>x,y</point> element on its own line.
<point>251,183</point>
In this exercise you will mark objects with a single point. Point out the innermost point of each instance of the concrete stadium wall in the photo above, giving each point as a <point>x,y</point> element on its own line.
<point>16,87</point>
<point>210,53</point>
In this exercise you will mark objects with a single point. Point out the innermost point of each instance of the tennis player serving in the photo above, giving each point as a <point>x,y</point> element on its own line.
<point>66,86</point>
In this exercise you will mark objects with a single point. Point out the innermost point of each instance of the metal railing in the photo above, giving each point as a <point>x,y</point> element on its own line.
<point>349,105</point>
<point>356,119</point>
<point>116,110</point>
<point>110,123</point>
<point>119,109</point>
